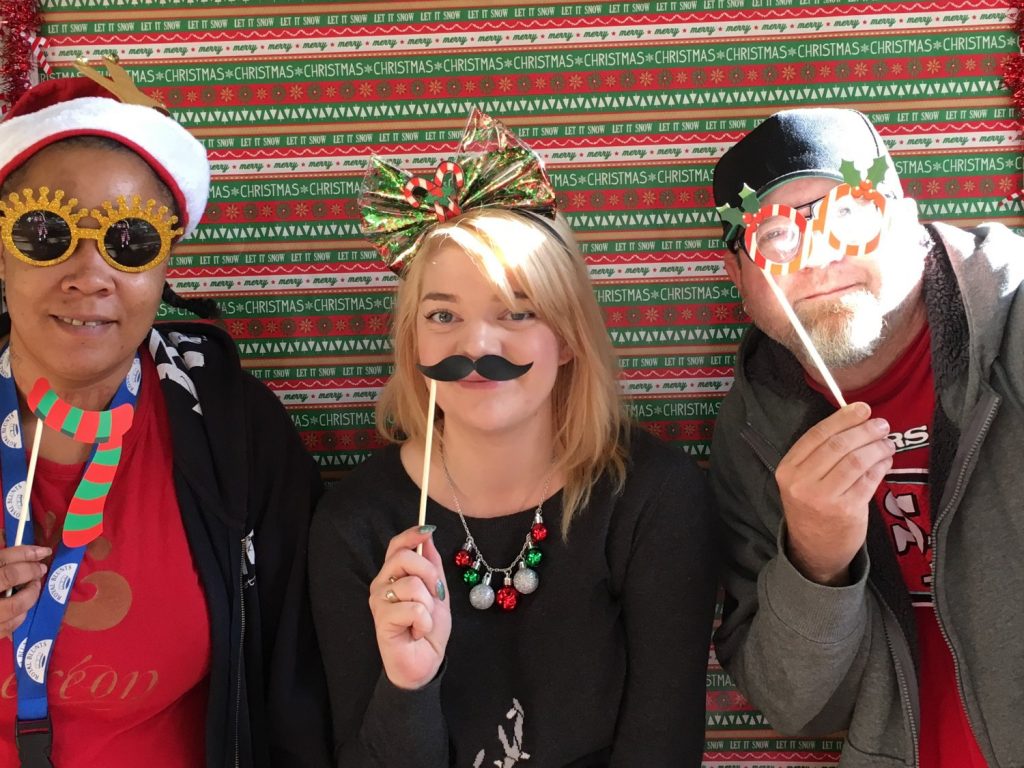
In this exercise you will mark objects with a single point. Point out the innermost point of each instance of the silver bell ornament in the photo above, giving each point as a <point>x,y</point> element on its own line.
<point>481,596</point>
<point>525,580</point>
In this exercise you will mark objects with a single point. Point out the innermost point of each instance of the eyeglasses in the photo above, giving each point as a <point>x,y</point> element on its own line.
<point>851,218</point>
<point>44,232</point>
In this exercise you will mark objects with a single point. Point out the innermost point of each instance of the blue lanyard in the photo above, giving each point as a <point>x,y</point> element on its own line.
<point>33,640</point>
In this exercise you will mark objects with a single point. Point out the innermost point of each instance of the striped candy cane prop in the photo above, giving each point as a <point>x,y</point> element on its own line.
<point>38,45</point>
<point>106,430</point>
<point>439,192</point>
<point>1011,198</point>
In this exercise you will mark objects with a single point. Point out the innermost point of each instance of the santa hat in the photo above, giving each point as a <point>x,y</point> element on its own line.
<point>97,106</point>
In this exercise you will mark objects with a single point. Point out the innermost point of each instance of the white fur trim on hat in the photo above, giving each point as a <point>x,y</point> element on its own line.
<point>175,155</point>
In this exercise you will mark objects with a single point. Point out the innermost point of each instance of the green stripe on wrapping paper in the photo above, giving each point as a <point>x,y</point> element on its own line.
<point>278,190</point>
<point>307,347</point>
<point>107,456</point>
<point>1007,161</point>
<point>674,337</point>
<point>309,306</point>
<point>698,217</point>
<point>77,522</point>
<point>297,232</point>
<point>71,422</point>
<point>672,293</point>
<point>90,491</point>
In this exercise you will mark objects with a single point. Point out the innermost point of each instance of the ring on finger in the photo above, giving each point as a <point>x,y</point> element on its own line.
<point>390,596</point>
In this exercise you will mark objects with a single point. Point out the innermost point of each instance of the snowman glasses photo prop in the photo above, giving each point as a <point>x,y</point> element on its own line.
<point>851,219</point>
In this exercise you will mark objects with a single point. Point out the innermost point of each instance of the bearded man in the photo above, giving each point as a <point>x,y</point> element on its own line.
<point>873,550</point>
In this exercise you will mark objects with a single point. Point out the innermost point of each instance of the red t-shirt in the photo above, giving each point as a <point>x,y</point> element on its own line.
<point>905,397</point>
<point>128,676</point>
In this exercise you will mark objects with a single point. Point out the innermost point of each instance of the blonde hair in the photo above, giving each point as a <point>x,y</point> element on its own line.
<point>540,257</point>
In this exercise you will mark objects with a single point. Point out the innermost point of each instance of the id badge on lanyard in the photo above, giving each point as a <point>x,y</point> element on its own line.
<point>34,639</point>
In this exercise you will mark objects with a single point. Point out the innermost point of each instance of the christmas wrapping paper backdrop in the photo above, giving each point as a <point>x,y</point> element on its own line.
<point>630,104</point>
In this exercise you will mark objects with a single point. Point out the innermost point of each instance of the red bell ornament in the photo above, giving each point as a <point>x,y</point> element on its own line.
<point>507,598</point>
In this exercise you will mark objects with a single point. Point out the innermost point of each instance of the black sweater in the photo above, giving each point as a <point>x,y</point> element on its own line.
<point>604,665</point>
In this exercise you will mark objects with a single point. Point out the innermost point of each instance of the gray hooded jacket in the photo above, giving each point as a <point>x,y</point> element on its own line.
<point>819,659</point>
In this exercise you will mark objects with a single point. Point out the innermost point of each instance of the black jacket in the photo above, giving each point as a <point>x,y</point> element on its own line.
<point>246,488</point>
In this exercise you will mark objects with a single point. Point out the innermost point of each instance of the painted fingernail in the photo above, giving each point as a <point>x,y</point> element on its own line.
<point>428,528</point>
<point>440,590</point>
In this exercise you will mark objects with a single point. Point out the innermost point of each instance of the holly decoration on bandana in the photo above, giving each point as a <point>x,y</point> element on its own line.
<point>106,430</point>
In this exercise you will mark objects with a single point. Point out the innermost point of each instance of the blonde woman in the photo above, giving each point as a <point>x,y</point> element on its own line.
<point>561,610</point>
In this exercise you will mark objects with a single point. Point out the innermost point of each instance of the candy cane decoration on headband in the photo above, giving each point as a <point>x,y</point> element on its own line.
<point>749,215</point>
<point>443,196</point>
<point>104,428</point>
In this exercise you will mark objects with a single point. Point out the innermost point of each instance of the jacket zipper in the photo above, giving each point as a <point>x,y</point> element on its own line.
<point>953,501</point>
<point>751,437</point>
<point>241,643</point>
<point>901,680</point>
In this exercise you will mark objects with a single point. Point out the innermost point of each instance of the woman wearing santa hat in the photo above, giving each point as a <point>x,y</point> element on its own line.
<point>159,613</point>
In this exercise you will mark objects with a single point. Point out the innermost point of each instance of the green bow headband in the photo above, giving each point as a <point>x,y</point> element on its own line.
<point>492,168</point>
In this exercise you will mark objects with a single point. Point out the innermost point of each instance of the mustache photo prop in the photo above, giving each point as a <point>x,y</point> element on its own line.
<point>456,367</point>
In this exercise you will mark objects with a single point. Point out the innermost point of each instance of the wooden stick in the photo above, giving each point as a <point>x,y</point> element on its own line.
<point>32,461</point>
<point>428,442</point>
<point>30,478</point>
<point>808,344</point>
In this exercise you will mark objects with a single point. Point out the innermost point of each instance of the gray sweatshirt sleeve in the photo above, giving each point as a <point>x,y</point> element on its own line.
<point>795,649</point>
